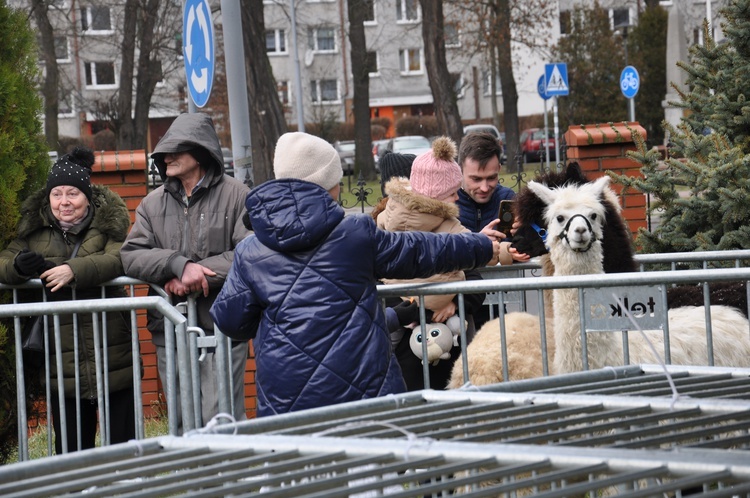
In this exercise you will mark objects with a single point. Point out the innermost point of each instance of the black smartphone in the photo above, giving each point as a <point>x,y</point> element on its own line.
<point>506,217</point>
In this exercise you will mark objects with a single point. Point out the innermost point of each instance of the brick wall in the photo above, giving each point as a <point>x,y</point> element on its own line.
<point>602,147</point>
<point>126,172</point>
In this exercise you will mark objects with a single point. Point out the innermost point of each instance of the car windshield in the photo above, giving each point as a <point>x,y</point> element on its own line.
<point>346,147</point>
<point>411,143</point>
<point>539,135</point>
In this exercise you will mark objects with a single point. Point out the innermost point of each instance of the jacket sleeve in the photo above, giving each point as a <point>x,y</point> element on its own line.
<point>236,311</point>
<point>8,273</point>
<point>421,254</point>
<point>141,258</point>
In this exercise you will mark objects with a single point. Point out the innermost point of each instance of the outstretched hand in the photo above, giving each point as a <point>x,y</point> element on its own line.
<point>490,231</point>
<point>55,278</point>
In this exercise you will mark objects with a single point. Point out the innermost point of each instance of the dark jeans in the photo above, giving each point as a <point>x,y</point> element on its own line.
<point>121,426</point>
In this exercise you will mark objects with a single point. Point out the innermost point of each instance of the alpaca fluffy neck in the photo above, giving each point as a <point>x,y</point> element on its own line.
<point>567,321</point>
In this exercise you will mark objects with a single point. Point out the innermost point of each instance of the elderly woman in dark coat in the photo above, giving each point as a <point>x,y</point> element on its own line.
<point>71,213</point>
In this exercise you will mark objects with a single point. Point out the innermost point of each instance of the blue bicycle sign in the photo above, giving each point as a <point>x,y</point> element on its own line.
<point>630,82</point>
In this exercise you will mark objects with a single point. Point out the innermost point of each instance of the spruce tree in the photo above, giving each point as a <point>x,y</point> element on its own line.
<point>23,166</point>
<point>710,163</point>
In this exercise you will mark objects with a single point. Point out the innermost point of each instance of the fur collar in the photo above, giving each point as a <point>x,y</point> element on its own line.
<point>111,216</point>
<point>399,189</point>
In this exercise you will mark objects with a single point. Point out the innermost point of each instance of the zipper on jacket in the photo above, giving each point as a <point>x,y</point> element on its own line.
<point>479,220</point>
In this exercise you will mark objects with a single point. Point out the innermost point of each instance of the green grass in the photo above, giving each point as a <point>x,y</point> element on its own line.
<point>153,427</point>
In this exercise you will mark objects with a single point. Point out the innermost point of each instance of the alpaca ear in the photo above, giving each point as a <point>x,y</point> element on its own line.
<point>600,184</point>
<point>545,194</point>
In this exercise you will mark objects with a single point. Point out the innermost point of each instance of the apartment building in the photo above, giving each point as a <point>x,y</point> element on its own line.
<point>88,34</point>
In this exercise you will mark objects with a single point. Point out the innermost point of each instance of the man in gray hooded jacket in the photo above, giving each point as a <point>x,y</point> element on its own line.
<point>184,237</point>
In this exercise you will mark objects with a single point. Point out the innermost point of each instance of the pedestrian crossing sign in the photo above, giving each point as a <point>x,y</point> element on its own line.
<point>556,77</point>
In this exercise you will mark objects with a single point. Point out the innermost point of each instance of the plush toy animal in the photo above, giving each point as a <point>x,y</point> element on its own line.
<point>441,338</point>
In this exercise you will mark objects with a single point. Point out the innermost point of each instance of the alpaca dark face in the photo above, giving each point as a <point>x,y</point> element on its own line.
<point>574,214</point>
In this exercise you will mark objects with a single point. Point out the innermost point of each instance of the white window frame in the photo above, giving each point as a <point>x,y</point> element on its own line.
<point>278,37</point>
<point>487,90</point>
<point>461,83</point>
<point>376,74</point>
<point>458,35</point>
<point>404,59</point>
<point>67,49</point>
<point>401,12</point>
<point>317,98</point>
<point>94,85</point>
<point>631,18</point>
<point>312,36</point>
<point>72,112</point>
<point>89,17</point>
<point>374,20</point>
<point>288,92</point>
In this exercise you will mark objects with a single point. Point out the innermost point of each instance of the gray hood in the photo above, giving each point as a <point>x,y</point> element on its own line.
<point>187,132</point>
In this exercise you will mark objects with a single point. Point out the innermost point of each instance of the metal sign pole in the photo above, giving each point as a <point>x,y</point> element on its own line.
<point>632,109</point>
<point>546,134</point>
<point>557,136</point>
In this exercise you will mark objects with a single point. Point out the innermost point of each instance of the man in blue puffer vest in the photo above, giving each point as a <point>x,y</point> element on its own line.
<point>304,286</point>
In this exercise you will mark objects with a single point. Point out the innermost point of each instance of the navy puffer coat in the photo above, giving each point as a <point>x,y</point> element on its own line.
<point>306,283</point>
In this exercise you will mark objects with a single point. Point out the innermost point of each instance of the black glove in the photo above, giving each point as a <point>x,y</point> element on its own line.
<point>407,312</point>
<point>29,263</point>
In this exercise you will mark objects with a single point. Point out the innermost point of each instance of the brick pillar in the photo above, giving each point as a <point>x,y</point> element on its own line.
<point>602,147</point>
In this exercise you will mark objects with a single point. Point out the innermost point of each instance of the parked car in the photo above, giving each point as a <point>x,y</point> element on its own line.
<point>409,144</point>
<point>492,130</point>
<point>346,148</point>
<point>532,145</point>
<point>378,148</point>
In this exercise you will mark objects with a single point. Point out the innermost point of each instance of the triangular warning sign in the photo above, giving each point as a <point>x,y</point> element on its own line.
<point>556,82</point>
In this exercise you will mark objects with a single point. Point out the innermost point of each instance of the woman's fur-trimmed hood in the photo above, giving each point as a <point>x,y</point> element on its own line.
<point>399,190</point>
<point>111,215</point>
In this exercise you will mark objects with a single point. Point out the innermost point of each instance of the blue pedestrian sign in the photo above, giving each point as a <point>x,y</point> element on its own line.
<point>542,88</point>
<point>630,82</point>
<point>198,49</point>
<point>556,79</point>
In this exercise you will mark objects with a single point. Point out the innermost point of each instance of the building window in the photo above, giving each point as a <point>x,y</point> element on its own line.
<point>285,94</point>
<point>62,51</point>
<point>325,91</point>
<point>96,19</point>
<point>369,6</point>
<point>371,63</point>
<point>451,35</point>
<point>100,74</point>
<point>565,22</point>
<point>487,87</point>
<point>276,42</point>
<point>458,84</point>
<point>407,11</point>
<point>410,60</point>
<point>322,40</point>
<point>65,104</point>
<point>619,18</point>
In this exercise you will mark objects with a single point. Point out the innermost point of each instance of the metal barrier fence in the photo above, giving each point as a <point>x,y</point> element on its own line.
<point>598,439</point>
<point>186,344</point>
<point>185,340</point>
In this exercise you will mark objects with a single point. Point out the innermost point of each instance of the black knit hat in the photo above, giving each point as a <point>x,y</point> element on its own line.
<point>393,164</point>
<point>73,169</point>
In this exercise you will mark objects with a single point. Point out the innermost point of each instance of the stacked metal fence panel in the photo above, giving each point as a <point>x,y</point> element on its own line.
<point>535,441</point>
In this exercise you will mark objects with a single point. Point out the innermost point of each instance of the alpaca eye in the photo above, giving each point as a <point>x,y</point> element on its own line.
<point>560,218</point>
<point>593,216</point>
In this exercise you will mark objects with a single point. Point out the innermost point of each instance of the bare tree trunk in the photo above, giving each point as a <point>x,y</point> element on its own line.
<point>441,83</point>
<point>149,74</point>
<point>124,106</point>
<point>266,113</point>
<point>363,160</point>
<point>507,79</point>
<point>51,81</point>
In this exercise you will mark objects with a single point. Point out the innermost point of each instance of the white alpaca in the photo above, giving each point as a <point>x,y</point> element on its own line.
<point>574,218</point>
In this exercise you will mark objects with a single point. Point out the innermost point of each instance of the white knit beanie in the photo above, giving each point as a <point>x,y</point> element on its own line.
<point>307,157</point>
